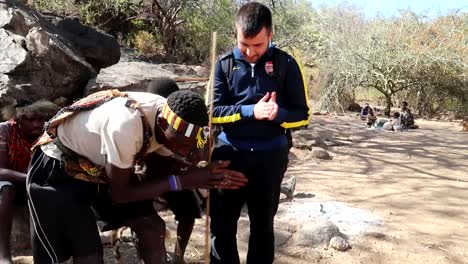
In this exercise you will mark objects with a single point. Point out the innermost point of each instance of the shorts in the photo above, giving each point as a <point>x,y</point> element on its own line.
<point>185,204</point>
<point>63,211</point>
<point>111,216</point>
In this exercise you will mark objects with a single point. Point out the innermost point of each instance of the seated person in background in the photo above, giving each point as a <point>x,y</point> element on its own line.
<point>162,86</point>
<point>465,124</point>
<point>365,111</point>
<point>24,126</point>
<point>371,118</point>
<point>407,118</point>
<point>394,124</point>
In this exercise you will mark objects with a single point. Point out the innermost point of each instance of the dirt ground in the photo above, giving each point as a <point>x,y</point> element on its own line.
<point>415,182</point>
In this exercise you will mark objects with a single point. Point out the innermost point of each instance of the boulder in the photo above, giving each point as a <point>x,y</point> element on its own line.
<point>306,139</point>
<point>315,233</point>
<point>35,60</point>
<point>98,48</point>
<point>17,19</point>
<point>354,107</point>
<point>139,73</point>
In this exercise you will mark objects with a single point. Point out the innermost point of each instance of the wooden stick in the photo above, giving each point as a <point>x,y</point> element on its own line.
<point>210,145</point>
<point>191,79</point>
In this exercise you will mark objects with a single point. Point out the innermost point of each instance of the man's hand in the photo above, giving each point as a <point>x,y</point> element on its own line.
<point>274,110</point>
<point>214,176</point>
<point>266,108</point>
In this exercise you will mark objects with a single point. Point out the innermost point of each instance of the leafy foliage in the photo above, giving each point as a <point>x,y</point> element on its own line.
<point>406,54</point>
<point>409,56</point>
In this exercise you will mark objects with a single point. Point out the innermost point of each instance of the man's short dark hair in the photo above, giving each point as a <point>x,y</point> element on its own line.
<point>162,86</point>
<point>252,17</point>
<point>404,103</point>
<point>189,106</point>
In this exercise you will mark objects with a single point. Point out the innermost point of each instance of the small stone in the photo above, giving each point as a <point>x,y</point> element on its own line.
<point>315,233</point>
<point>339,243</point>
<point>320,153</point>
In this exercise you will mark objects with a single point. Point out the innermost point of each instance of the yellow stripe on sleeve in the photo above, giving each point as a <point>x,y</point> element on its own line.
<point>295,124</point>
<point>226,119</point>
<point>302,122</point>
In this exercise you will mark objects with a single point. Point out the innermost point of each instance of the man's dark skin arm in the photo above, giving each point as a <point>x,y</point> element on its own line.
<point>6,174</point>
<point>122,191</point>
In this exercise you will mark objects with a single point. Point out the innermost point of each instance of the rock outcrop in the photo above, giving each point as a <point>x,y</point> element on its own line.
<point>40,60</point>
<point>135,75</point>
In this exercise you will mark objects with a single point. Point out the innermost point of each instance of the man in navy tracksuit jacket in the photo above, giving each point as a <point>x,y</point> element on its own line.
<point>254,110</point>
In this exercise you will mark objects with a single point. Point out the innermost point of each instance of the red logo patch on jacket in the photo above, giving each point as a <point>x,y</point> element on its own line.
<point>269,67</point>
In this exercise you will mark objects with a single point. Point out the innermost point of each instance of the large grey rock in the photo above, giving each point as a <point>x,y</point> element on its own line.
<point>18,20</point>
<point>354,107</point>
<point>139,74</point>
<point>14,54</point>
<point>98,48</point>
<point>35,60</point>
<point>315,233</point>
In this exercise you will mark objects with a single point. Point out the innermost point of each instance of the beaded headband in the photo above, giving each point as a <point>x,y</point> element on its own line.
<point>185,128</point>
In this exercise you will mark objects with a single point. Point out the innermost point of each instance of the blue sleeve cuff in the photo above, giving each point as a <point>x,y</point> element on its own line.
<point>281,116</point>
<point>247,111</point>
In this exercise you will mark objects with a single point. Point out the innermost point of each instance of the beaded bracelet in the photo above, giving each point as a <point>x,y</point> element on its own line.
<point>174,183</point>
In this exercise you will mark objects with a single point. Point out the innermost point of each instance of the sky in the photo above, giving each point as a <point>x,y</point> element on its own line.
<point>389,7</point>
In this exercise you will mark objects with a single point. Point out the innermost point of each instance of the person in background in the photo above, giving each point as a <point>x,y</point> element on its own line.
<point>407,117</point>
<point>371,119</point>
<point>394,124</point>
<point>163,86</point>
<point>464,124</point>
<point>25,121</point>
<point>366,111</point>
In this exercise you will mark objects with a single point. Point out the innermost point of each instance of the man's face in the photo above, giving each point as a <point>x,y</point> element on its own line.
<point>31,126</point>
<point>178,143</point>
<point>253,48</point>
<point>184,148</point>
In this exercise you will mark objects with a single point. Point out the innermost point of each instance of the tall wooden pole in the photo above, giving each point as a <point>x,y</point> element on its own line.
<point>210,92</point>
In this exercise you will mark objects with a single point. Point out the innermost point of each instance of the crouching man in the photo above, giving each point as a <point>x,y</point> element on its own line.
<point>84,167</point>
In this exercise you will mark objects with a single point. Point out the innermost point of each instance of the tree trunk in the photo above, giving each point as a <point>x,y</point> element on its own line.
<point>388,100</point>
